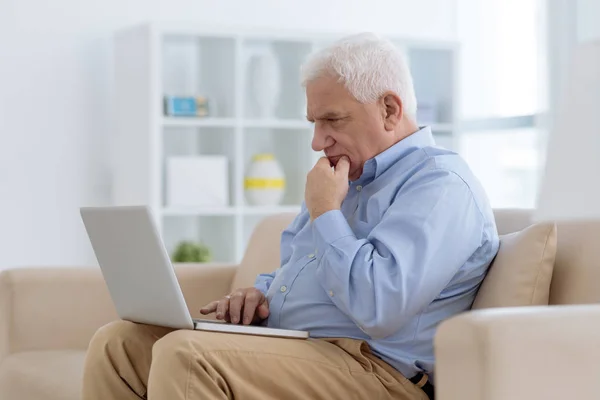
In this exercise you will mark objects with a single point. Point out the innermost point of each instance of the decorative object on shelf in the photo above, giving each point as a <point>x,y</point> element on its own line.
<point>191,252</point>
<point>265,82</point>
<point>197,181</point>
<point>265,181</point>
<point>190,106</point>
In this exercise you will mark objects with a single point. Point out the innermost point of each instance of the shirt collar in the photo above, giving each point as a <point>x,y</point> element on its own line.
<point>377,165</point>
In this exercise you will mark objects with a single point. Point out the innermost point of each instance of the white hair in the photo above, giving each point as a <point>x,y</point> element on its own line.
<point>368,66</point>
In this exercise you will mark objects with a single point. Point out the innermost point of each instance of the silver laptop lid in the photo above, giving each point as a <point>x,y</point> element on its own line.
<point>136,266</point>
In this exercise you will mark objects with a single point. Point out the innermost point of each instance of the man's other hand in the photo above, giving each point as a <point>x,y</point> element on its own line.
<point>326,187</point>
<point>248,306</point>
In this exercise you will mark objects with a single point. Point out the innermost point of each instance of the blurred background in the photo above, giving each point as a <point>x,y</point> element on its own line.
<point>195,108</point>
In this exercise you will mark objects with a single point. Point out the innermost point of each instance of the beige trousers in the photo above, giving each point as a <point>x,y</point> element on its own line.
<point>128,361</point>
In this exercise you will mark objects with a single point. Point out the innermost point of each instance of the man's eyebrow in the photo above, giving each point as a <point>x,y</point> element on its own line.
<point>330,115</point>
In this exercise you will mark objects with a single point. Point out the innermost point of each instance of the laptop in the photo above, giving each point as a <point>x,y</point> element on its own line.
<point>140,277</point>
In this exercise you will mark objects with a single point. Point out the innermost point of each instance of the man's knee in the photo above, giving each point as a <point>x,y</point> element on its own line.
<point>172,345</point>
<point>187,340</point>
<point>177,347</point>
<point>110,336</point>
<point>113,332</point>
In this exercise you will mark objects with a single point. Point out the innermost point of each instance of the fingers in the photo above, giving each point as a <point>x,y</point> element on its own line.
<point>343,167</point>
<point>253,299</point>
<point>244,305</point>
<point>262,312</point>
<point>222,308</point>
<point>235,305</point>
<point>209,308</point>
<point>324,162</point>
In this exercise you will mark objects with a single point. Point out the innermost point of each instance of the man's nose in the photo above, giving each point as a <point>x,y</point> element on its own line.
<point>321,140</point>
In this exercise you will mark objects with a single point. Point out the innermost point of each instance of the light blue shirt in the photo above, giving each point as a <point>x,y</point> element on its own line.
<point>409,248</point>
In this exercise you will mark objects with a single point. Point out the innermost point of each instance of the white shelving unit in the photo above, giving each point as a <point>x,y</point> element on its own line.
<point>156,59</point>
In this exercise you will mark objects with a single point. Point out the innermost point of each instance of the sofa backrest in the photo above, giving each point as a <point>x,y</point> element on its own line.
<point>49,308</point>
<point>576,278</point>
<point>262,252</point>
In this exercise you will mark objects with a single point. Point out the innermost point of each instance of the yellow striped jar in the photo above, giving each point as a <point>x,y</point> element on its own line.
<point>264,183</point>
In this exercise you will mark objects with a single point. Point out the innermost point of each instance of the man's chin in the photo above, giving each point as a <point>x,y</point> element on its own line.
<point>355,174</point>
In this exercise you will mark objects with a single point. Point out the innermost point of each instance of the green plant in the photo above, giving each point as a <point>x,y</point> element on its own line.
<point>188,252</point>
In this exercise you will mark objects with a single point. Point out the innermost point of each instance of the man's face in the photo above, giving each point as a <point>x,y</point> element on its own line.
<point>344,126</point>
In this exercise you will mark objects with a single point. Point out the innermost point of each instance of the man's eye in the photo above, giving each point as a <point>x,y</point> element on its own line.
<point>332,119</point>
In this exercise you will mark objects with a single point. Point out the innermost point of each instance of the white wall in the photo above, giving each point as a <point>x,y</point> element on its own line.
<point>55,88</point>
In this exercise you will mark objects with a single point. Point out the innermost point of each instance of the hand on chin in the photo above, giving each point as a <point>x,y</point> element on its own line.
<point>326,188</point>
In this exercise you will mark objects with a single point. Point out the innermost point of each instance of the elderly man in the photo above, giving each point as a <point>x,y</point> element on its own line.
<point>395,235</point>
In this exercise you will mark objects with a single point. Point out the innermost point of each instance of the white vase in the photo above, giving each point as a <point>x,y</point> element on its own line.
<point>265,83</point>
<point>264,184</point>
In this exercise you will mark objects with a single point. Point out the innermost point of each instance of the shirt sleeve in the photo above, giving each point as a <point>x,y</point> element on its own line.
<point>263,281</point>
<point>430,230</point>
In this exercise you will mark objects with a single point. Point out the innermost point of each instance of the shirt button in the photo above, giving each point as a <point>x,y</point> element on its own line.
<point>311,256</point>
<point>331,293</point>
<point>358,188</point>
<point>283,289</point>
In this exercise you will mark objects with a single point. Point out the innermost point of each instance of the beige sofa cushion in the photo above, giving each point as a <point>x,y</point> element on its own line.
<point>48,375</point>
<point>521,273</point>
<point>262,252</point>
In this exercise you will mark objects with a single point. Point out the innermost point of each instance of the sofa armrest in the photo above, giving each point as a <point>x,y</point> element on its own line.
<point>61,308</point>
<point>531,353</point>
<point>203,283</point>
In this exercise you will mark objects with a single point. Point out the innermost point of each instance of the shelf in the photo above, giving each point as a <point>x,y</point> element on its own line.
<point>261,123</point>
<point>227,211</point>
<point>277,123</point>
<point>191,122</point>
<point>255,210</point>
<point>198,211</point>
<point>218,62</point>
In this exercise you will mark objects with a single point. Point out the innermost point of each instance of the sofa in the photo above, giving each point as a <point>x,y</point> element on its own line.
<point>49,314</point>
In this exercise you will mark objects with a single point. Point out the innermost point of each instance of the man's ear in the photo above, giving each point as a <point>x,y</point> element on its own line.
<point>392,110</point>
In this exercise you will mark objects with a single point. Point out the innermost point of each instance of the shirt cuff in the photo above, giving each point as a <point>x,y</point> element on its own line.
<point>263,283</point>
<point>328,228</point>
